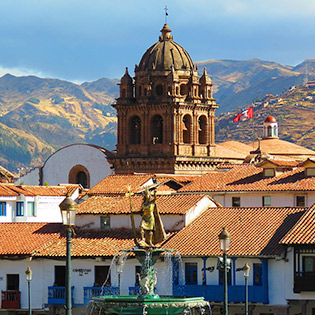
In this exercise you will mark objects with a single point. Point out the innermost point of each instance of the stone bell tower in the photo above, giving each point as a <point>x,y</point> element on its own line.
<point>165,114</point>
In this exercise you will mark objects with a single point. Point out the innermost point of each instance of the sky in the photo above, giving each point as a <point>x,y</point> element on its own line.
<point>81,41</point>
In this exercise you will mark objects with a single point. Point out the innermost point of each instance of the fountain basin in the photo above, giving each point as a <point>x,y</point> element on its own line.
<point>150,305</point>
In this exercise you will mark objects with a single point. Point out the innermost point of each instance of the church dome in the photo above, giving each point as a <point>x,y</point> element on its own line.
<point>165,54</point>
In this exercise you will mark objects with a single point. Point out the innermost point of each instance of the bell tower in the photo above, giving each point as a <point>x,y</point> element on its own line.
<point>165,114</point>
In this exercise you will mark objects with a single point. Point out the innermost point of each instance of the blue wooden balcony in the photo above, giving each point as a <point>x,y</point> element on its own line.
<point>57,295</point>
<point>89,292</point>
<point>214,293</point>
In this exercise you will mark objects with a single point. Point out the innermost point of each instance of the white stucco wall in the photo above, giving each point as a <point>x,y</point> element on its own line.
<point>170,222</point>
<point>30,178</point>
<point>254,199</point>
<point>57,167</point>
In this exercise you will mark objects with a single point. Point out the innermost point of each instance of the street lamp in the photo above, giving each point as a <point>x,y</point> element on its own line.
<point>68,208</point>
<point>246,269</point>
<point>224,238</point>
<point>28,274</point>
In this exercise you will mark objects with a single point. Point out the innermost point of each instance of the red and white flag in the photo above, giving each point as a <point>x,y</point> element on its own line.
<point>246,114</point>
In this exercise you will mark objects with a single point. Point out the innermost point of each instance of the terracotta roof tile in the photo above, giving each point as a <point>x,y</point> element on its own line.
<point>304,230</point>
<point>254,231</point>
<point>87,243</point>
<point>167,204</point>
<point>117,184</point>
<point>281,147</point>
<point>25,238</point>
<point>250,178</point>
<point>29,190</point>
<point>6,190</point>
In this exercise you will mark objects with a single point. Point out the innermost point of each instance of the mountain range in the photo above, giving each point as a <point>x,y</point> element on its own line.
<point>40,115</point>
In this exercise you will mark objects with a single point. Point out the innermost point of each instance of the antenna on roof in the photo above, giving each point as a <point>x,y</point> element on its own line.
<point>166,13</point>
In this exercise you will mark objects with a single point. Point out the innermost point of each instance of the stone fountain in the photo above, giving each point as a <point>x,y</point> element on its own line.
<point>146,252</point>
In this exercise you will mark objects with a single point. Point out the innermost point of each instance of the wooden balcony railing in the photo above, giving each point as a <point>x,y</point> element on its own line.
<point>10,299</point>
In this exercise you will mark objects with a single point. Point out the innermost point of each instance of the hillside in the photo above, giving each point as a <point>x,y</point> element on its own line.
<point>38,116</point>
<point>239,82</point>
<point>294,110</point>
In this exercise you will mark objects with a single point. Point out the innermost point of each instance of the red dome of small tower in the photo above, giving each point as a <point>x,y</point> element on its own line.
<point>270,119</point>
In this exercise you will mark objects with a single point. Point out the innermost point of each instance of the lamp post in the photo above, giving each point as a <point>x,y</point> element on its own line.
<point>224,238</point>
<point>68,208</point>
<point>246,269</point>
<point>28,274</point>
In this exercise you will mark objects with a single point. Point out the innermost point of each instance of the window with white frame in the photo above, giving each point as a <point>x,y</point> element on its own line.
<point>19,209</point>
<point>31,209</point>
<point>3,209</point>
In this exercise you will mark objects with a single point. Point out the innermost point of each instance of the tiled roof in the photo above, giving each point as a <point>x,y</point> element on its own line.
<point>304,231</point>
<point>280,147</point>
<point>28,190</point>
<point>87,243</point>
<point>250,178</point>
<point>5,190</point>
<point>49,240</point>
<point>167,204</point>
<point>25,238</point>
<point>117,184</point>
<point>233,149</point>
<point>254,231</point>
<point>281,163</point>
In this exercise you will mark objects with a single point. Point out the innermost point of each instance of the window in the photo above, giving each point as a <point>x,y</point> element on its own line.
<point>191,273</point>
<point>159,90</point>
<point>82,179</point>
<point>135,130</point>
<point>236,201</point>
<point>202,132</point>
<point>157,129</point>
<point>269,172</point>
<point>308,264</point>
<point>105,222</point>
<point>101,273</point>
<point>187,129</point>
<point>257,274</point>
<point>266,201</point>
<point>300,201</point>
<point>310,171</point>
<point>269,131</point>
<point>221,276</point>
<point>13,282</point>
<point>31,209</point>
<point>19,209</point>
<point>3,209</point>
<point>60,276</point>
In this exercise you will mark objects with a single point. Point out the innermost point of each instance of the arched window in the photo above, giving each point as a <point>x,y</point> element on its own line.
<point>140,90</point>
<point>135,130</point>
<point>81,179</point>
<point>123,93</point>
<point>159,90</point>
<point>269,131</point>
<point>79,174</point>
<point>183,89</point>
<point>209,93</point>
<point>176,90</point>
<point>202,130</point>
<point>187,129</point>
<point>157,129</point>
<point>275,131</point>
